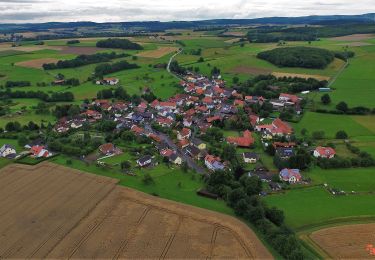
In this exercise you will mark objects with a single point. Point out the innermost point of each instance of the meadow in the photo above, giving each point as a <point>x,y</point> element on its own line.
<point>314,206</point>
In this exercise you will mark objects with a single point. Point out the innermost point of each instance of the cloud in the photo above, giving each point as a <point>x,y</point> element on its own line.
<point>167,10</point>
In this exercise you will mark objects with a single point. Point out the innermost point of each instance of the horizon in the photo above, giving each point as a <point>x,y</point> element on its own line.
<point>44,11</point>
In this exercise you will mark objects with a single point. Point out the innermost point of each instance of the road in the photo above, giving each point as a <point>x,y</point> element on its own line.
<point>171,59</point>
<point>186,158</point>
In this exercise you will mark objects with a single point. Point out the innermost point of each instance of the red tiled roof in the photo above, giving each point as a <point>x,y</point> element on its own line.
<point>212,119</point>
<point>292,98</point>
<point>245,141</point>
<point>325,151</point>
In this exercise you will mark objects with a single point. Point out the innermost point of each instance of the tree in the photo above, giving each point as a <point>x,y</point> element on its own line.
<point>342,106</point>
<point>326,99</point>
<point>275,215</point>
<point>185,167</point>
<point>22,140</point>
<point>125,165</point>
<point>147,179</point>
<point>341,135</point>
<point>235,80</point>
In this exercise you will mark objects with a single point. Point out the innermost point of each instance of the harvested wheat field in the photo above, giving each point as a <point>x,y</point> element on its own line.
<point>158,53</point>
<point>49,211</point>
<point>347,242</point>
<point>304,76</point>
<point>251,70</point>
<point>36,64</point>
<point>29,48</point>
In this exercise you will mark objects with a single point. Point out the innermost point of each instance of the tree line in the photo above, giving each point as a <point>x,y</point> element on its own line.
<point>54,97</point>
<point>108,68</point>
<point>13,84</point>
<point>83,60</point>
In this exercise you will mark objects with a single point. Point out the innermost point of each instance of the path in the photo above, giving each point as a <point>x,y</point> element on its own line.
<point>171,59</point>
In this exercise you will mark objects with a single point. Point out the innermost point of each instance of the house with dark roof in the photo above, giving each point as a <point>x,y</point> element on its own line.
<point>144,161</point>
<point>250,157</point>
<point>213,163</point>
<point>290,175</point>
<point>8,151</point>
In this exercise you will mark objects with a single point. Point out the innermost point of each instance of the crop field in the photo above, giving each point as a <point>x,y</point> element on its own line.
<point>158,53</point>
<point>36,64</point>
<point>76,215</point>
<point>346,242</point>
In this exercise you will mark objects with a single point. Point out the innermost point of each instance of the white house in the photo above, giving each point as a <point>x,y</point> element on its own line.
<point>250,157</point>
<point>7,151</point>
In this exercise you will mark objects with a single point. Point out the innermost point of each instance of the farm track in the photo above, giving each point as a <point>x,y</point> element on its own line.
<point>54,212</point>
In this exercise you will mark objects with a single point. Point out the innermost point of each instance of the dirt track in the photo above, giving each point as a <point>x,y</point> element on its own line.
<point>346,242</point>
<point>56,212</point>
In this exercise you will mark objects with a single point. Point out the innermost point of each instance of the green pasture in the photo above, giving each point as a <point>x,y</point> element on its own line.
<point>331,124</point>
<point>313,206</point>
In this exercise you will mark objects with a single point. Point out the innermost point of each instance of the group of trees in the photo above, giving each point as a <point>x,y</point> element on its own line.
<point>54,97</point>
<point>176,68</point>
<point>343,108</point>
<point>13,84</point>
<point>17,127</point>
<point>108,68</point>
<point>116,43</point>
<point>242,194</point>
<point>82,60</point>
<point>270,86</point>
<point>72,42</point>
<point>304,57</point>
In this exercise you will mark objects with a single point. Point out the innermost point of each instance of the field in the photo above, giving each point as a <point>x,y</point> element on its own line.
<point>346,242</point>
<point>158,53</point>
<point>304,76</point>
<point>36,64</point>
<point>71,214</point>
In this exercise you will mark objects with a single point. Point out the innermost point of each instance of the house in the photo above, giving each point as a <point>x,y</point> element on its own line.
<point>137,130</point>
<point>277,128</point>
<point>108,81</point>
<point>109,149</point>
<point>144,161</point>
<point>194,152</point>
<point>290,175</point>
<point>293,99</point>
<point>39,151</point>
<point>213,163</point>
<point>174,158</point>
<point>198,143</point>
<point>324,152</point>
<point>183,143</point>
<point>284,153</point>
<point>249,157</point>
<point>92,114</point>
<point>164,121</point>
<point>246,140</point>
<point>185,133</point>
<point>166,152</point>
<point>7,151</point>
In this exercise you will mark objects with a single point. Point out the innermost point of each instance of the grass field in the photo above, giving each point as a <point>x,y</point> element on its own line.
<point>330,124</point>
<point>166,183</point>
<point>314,206</point>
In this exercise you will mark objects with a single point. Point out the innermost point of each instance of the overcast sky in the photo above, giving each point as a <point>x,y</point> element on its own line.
<point>21,11</point>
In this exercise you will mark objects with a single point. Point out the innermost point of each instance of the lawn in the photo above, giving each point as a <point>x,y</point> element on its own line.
<point>314,206</point>
<point>353,179</point>
<point>170,183</point>
<point>330,124</point>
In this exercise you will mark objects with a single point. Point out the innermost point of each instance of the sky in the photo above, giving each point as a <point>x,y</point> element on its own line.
<point>24,11</point>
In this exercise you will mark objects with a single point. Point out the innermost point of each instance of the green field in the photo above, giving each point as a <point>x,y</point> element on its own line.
<point>166,183</point>
<point>330,124</point>
<point>315,205</point>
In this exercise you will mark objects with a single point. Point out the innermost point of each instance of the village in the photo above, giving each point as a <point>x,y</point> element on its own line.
<point>179,128</point>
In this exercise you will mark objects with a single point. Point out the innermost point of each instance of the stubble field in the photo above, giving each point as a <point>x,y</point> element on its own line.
<point>55,212</point>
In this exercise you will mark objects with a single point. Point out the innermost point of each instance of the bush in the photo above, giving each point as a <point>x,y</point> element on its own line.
<point>341,135</point>
<point>326,99</point>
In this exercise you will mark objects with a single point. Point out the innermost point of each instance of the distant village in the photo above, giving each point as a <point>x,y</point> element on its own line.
<point>204,104</point>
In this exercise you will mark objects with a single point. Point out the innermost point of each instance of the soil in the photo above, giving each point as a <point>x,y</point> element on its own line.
<point>304,76</point>
<point>80,50</point>
<point>36,64</point>
<point>50,211</point>
<point>354,37</point>
<point>251,70</point>
<point>158,53</point>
